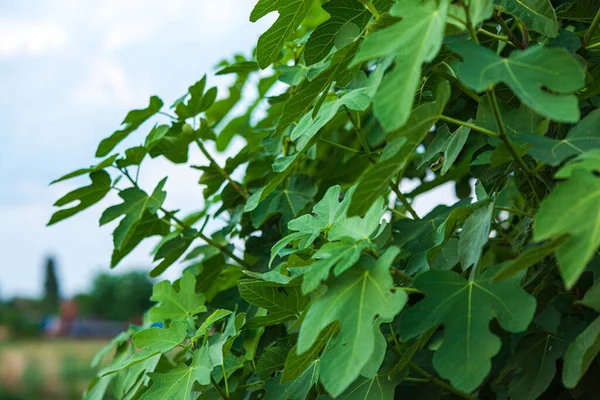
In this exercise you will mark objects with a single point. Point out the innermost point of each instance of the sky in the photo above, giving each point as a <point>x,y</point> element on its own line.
<point>70,70</point>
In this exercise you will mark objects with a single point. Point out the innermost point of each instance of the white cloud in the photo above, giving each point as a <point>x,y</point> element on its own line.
<point>31,38</point>
<point>106,83</point>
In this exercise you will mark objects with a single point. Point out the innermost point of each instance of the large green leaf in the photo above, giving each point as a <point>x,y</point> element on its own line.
<point>537,15</point>
<point>296,364</point>
<point>177,304</point>
<point>465,308</point>
<point>132,121</point>
<point>86,197</point>
<point>544,79</point>
<point>573,208</point>
<point>354,299</point>
<point>135,203</point>
<point>296,389</point>
<point>415,40</point>
<point>177,383</point>
<point>378,387</point>
<point>291,14</point>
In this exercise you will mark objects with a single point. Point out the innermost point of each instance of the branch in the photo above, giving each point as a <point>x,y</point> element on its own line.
<point>371,8</point>
<point>473,127</point>
<point>224,173</point>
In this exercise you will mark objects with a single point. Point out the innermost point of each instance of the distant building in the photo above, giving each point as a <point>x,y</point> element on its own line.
<point>69,324</point>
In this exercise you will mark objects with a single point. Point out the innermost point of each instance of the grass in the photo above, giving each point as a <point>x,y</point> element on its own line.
<point>49,369</point>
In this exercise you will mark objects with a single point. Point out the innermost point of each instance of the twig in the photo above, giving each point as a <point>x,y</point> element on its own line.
<point>224,173</point>
<point>458,83</point>
<point>439,382</point>
<point>371,8</point>
<point>404,201</point>
<point>509,33</point>
<point>514,211</point>
<point>218,389</point>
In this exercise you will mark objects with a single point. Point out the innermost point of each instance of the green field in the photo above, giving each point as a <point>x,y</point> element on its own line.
<point>46,369</point>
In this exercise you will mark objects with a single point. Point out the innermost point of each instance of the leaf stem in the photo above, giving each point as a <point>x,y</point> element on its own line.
<point>225,379</point>
<point>473,127</point>
<point>168,115</point>
<point>416,380</point>
<point>438,382</point>
<point>223,395</point>
<point>503,135</point>
<point>371,8</point>
<point>592,29</point>
<point>224,173</point>
<point>469,25</point>
<point>362,140</point>
<point>341,146</point>
<point>497,37</point>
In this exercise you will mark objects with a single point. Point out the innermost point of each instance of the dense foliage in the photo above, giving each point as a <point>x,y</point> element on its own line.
<point>324,281</point>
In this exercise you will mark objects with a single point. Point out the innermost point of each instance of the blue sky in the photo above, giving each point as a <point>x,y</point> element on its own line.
<point>69,72</point>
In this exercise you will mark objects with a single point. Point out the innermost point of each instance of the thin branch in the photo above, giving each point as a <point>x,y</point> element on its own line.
<point>185,226</point>
<point>514,211</point>
<point>224,173</point>
<point>220,391</point>
<point>168,115</point>
<point>341,146</point>
<point>503,135</point>
<point>509,33</point>
<point>458,83</point>
<point>404,201</point>
<point>497,37</point>
<point>439,382</point>
<point>469,25</point>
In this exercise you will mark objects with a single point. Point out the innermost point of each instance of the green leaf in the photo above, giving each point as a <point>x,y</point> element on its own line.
<point>536,356</point>
<point>354,299</point>
<point>447,143</point>
<point>581,353</point>
<point>302,100</point>
<point>177,305</point>
<point>342,255</point>
<point>529,258</point>
<point>479,11</point>
<point>474,235</point>
<point>284,303</point>
<point>572,208</point>
<point>358,228</point>
<point>293,390</point>
<point>321,40</point>
<point>132,121</point>
<point>537,15</point>
<point>291,14</point>
<point>153,341</point>
<point>273,358</point>
<point>592,297</point>
<point>133,156</point>
<point>288,202</point>
<point>107,162</point>
<point>87,196</point>
<point>378,387</point>
<point>581,138</point>
<point>588,161</point>
<point>415,40</point>
<point>543,79</point>
<point>581,10</point>
<point>220,344</point>
<point>419,124</point>
<point>216,316</point>
<point>198,102</point>
<point>465,308</point>
<point>150,225</point>
<point>296,364</point>
<point>135,203</point>
<point>177,383</point>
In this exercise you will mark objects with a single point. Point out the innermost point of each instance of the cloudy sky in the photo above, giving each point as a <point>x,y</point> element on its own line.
<point>69,72</point>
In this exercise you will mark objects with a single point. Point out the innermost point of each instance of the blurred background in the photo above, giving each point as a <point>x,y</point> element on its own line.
<point>70,70</point>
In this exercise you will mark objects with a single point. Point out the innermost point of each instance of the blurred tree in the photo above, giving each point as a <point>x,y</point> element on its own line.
<point>117,297</point>
<point>51,290</point>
